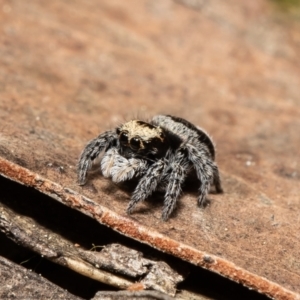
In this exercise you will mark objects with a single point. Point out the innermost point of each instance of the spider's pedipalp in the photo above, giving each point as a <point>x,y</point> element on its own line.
<point>148,184</point>
<point>108,161</point>
<point>125,169</point>
<point>120,168</point>
<point>91,152</point>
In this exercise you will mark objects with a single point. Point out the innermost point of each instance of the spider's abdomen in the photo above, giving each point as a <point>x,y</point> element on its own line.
<point>186,131</point>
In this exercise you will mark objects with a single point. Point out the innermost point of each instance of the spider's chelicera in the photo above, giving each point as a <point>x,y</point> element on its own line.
<point>160,154</point>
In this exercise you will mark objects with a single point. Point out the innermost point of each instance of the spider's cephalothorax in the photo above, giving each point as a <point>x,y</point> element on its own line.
<point>160,154</point>
<point>142,140</point>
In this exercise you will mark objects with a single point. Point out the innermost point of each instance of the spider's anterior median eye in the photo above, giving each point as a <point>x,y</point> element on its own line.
<point>123,138</point>
<point>135,143</point>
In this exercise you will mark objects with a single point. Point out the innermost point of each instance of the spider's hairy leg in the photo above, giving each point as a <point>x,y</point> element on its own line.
<point>91,152</point>
<point>205,170</point>
<point>173,190</point>
<point>217,179</point>
<point>147,185</point>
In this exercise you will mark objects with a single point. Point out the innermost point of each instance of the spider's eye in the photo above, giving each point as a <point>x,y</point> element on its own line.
<point>123,138</point>
<point>135,143</point>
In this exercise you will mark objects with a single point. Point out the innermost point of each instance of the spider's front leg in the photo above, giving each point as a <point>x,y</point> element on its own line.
<point>92,151</point>
<point>148,184</point>
<point>120,168</point>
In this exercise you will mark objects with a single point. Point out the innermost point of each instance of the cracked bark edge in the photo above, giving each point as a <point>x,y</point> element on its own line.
<point>131,295</point>
<point>117,258</point>
<point>26,232</point>
<point>14,278</point>
<point>138,232</point>
<point>105,266</point>
<point>157,275</point>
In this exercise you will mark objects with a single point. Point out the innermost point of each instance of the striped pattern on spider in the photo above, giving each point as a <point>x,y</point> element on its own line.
<point>160,154</point>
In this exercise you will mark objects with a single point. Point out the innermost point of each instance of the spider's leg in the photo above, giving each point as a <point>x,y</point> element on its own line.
<point>176,179</point>
<point>147,185</point>
<point>92,151</point>
<point>205,169</point>
<point>125,169</point>
<point>217,180</point>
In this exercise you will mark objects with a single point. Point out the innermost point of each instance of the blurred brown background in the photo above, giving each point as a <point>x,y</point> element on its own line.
<point>72,69</point>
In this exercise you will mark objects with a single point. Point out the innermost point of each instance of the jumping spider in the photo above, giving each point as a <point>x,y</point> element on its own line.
<point>161,154</point>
